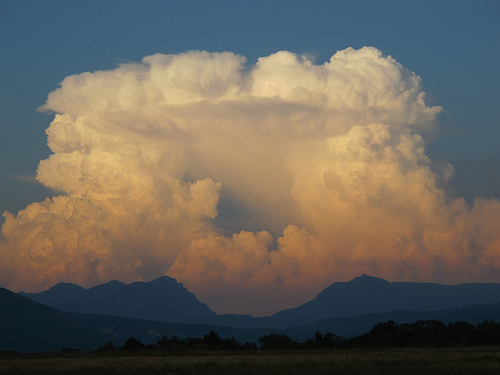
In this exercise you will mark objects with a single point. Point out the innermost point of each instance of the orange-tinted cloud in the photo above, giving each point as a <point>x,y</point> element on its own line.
<point>332,157</point>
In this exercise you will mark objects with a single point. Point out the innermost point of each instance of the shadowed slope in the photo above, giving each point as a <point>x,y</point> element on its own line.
<point>28,326</point>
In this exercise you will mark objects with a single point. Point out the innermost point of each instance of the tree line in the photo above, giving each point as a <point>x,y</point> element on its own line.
<point>423,333</point>
<point>430,333</point>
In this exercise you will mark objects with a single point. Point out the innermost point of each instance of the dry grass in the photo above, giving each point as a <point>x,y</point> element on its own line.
<point>483,361</point>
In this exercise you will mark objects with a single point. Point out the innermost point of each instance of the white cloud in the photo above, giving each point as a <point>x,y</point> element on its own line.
<point>332,156</point>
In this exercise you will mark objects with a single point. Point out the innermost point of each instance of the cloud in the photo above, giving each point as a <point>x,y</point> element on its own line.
<point>329,160</point>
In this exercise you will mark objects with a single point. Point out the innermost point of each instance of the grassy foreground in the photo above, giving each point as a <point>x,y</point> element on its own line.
<point>482,361</point>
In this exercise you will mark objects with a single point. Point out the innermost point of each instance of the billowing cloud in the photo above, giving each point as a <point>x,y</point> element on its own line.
<point>329,160</point>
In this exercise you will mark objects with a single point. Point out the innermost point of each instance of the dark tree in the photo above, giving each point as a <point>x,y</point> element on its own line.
<point>275,341</point>
<point>108,347</point>
<point>133,345</point>
<point>213,340</point>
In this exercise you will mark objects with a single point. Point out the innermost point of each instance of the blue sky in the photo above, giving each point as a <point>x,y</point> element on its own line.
<point>453,45</point>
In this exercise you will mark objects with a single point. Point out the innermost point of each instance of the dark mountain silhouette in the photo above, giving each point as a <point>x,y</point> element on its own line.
<point>367,295</point>
<point>164,299</point>
<point>28,326</point>
<point>161,299</point>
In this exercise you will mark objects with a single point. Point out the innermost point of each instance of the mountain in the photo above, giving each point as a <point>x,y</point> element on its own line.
<point>28,326</point>
<point>164,299</point>
<point>161,299</point>
<point>367,295</point>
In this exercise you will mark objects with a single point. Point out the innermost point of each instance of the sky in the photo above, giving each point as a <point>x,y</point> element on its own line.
<point>257,151</point>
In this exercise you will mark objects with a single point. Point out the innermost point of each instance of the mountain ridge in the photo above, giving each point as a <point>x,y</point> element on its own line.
<point>367,294</point>
<point>160,299</point>
<point>88,331</point>
<point>165,299</point>
<point>154,306</point>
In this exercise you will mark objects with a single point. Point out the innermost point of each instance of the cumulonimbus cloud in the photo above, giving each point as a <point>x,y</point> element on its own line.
<point>331,157</point>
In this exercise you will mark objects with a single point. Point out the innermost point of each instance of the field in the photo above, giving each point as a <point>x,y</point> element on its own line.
<point>482,361</point>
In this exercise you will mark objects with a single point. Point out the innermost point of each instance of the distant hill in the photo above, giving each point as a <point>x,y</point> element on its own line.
<point>367,295</point>
<point>358,325</point>
<point>119,329</point>
<point>27,326</point>
<point>161,299</point>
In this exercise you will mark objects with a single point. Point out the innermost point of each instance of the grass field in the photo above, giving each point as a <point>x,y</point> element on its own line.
<point>469,361</point>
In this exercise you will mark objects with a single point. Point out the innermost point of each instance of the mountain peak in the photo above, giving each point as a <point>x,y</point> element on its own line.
<point>368,279</point>
<point>164,280</point>
<point>115,282</point>
<point>66,286</point>
<point>356,285</point>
